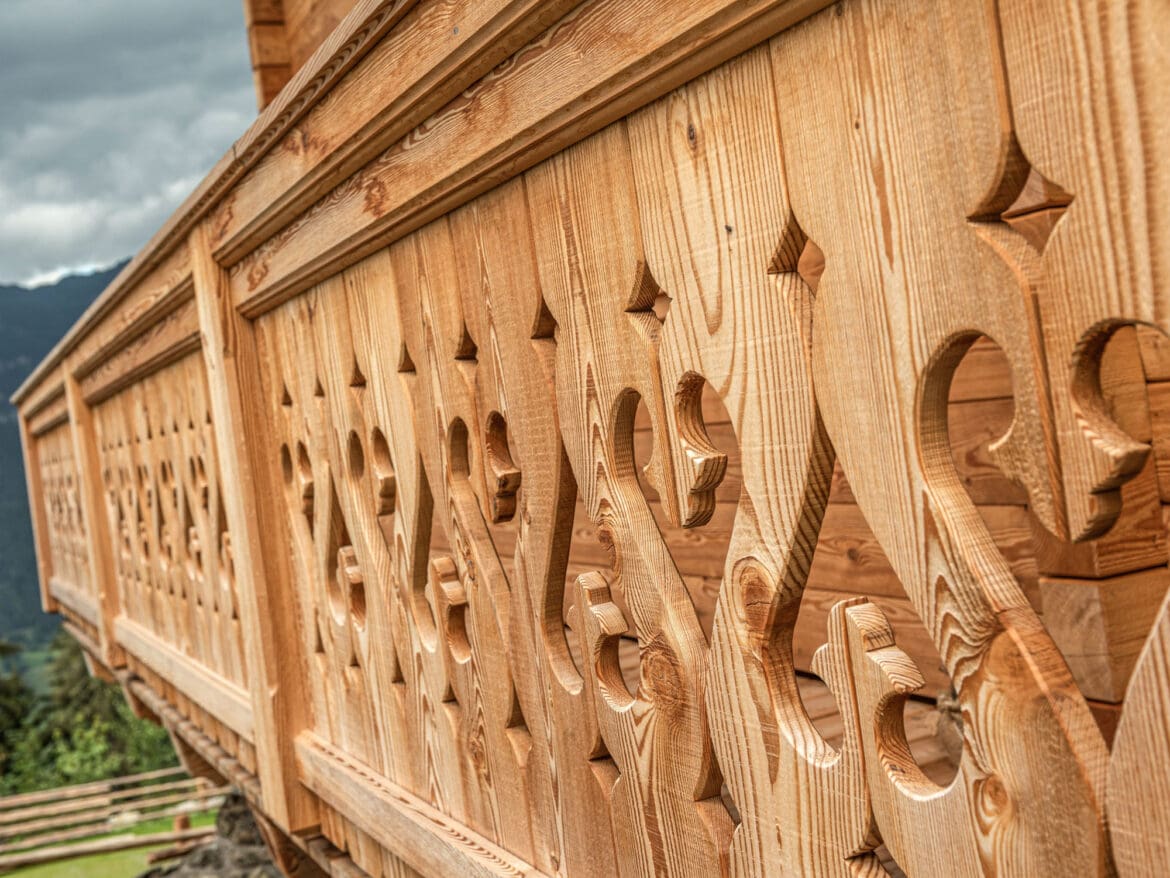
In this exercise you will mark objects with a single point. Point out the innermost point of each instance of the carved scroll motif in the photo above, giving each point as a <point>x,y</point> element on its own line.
<point>885,184</point>
<point>1094,120</point>
<point>447,406</point>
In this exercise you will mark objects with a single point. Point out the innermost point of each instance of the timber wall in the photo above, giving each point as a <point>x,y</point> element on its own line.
<point>476,465</point>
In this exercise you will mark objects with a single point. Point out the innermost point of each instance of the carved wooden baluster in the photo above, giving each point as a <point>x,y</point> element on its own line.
<point>1090,83</point>
<point>432,338</point>
<point>198,483</point>
<point>716,222</point>
<point>341,382</point>
<point>394,485</point>
<point>313,471</point>
<point>911,140</point>
<point>344,340</point>
<point>363,568</point>
<point>306,476</point>
<point>450,425</point>
<point>593,274</point>
<point>514,378</point>
<point>167,444</point>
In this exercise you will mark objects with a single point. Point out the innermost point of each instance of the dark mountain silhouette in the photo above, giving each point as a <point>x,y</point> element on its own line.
<point>32,321</point>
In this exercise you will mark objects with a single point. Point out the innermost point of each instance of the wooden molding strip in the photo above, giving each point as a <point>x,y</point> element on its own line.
<point>221,698</point>
<point>51,389</point>
<point>76,600</point>
<point>168,340</point>
<point>226,765</point>
<point>53,413</point>
<point>440,50</point>
<point>316,846</point>
<point>598,64</point>
<point>422,836</point>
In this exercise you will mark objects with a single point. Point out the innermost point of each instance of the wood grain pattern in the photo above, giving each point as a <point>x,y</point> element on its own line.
<point>621,438</point>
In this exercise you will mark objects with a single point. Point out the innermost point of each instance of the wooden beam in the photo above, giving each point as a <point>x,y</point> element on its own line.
<point>422,836</point>
<point>22,800</point>
<point>37,514</point>
<point>76,600</point>
<point>597,64</point>
<point>272,644</point>
<point>125,842</point>
<point>218,696</point>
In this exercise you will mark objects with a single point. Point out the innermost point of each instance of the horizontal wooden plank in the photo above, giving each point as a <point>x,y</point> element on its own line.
<point>268,45</point>
<point>263,12</point>
<point>88,644</point>
<point>122,842</point>
<point>79,805</point>
<point>44,393</point>
<point>53,413</point>
<point>81,603</point>
<point>422,836</point>
<point>849,558</point>
<point>433,54</point>
<point>22,800</point>
<point>170,339</point>
<point>223,763</point>
<point>1155,351</point>
<point>148,801</point>
<point>602,61</point>
<point>224,700</point>
<point>983,373</point>
<point>973,425</point>
<point>140,295</point>
<point>309,23</point>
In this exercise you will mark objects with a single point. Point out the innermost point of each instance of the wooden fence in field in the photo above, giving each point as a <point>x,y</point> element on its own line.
<point>584,438</point>
<point>101,817</point>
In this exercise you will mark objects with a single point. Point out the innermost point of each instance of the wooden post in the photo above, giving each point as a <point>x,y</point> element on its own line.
<point>273,653</point>
<point>36,508</point>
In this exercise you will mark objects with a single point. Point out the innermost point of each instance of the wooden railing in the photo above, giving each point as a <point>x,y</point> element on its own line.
<point>449,470</point>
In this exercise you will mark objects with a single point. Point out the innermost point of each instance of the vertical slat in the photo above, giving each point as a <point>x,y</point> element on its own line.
<point>273,654</point>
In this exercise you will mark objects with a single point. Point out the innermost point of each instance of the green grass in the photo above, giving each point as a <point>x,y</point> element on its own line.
<point>119,864</point>
<point>163,824</point>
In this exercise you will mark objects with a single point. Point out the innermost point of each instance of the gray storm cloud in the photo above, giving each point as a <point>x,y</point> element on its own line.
<point>110,113</point>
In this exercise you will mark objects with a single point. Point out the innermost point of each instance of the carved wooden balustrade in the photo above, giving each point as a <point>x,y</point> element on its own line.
<point>373,476</point>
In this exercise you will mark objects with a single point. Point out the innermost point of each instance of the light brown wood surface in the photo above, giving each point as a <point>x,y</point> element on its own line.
<point>478,465</point>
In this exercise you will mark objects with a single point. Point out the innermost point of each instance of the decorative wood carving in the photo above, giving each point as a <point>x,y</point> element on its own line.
<point>569,422</point>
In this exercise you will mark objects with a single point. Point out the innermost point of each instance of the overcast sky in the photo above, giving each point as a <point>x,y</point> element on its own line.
<point>111,111</point>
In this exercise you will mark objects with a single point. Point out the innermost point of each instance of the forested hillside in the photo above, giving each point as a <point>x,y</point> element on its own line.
<point>31,322</point>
